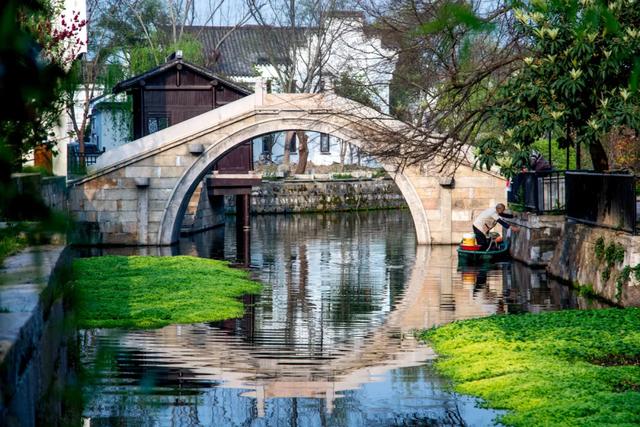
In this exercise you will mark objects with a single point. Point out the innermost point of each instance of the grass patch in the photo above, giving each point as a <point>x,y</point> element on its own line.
<point>562,368</point>
<point>151,292</point>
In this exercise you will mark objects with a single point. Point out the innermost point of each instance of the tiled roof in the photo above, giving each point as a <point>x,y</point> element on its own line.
<point>129,83</point>
<point>243,47</point>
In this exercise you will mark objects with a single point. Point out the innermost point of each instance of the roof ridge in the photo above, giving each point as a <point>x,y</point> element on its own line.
<point>128,83</point>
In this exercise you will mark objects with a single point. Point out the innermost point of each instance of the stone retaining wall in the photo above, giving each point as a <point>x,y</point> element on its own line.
<point>576,260</point>
<point>326,196</point>
<point>33,344</point>
<point>537,239</point>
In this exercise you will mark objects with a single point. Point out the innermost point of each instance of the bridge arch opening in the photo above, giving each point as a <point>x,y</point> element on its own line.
<point>217,145</point>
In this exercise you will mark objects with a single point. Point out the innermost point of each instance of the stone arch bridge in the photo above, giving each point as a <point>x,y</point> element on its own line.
<point>137,193</point>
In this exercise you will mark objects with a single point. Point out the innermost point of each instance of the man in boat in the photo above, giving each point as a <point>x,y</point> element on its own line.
<point>488,219</point>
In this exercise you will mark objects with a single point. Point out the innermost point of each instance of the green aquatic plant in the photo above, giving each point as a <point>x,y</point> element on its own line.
<point>151,292</point>
<point>563,368</point>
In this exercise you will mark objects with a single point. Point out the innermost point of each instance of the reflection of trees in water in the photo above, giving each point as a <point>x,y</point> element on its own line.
<point>326,271</point>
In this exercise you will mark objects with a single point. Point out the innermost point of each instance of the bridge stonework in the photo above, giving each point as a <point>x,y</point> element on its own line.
<point>138,193</point>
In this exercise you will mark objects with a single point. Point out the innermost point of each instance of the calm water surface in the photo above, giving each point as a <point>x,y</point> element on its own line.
<point>328,342</point>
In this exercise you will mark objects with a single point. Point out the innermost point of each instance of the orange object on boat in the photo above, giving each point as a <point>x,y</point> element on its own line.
<point>499,239</point>
<point>470,247</point>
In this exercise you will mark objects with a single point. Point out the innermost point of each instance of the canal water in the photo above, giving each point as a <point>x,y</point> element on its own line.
<point>329,342</point>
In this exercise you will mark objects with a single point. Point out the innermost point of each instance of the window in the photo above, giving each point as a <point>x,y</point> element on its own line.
<point>325,145</point>
<point>156,123</point>
<point>293,144</point>
<point>267,144</point>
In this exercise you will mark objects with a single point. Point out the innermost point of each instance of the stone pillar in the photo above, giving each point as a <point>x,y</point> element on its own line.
<point>259,91</point>
<point>243,229</point>
<point>143,210</point>
<point>445,214</point>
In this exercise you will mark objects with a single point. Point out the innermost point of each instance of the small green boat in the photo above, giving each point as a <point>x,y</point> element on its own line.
<point>484,257</point>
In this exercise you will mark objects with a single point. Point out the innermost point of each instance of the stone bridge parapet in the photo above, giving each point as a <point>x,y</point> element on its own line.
<point>137,193</point>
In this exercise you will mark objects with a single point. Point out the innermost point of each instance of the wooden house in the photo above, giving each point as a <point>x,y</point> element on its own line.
<point>174,92</point>
<point>177,91</point>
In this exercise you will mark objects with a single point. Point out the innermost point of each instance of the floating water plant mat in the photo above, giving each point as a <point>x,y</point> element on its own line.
<point>563,368</point>
<point>151,292</point>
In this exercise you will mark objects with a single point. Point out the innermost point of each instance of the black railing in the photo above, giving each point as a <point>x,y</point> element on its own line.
<point>540,192</point>
<point>605,200</point>
<point>77,163</point>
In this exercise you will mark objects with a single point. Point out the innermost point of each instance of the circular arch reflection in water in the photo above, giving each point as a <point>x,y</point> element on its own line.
<point>329,341</point>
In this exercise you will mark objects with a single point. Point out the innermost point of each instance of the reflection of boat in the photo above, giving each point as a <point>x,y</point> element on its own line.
<point>501,253</point>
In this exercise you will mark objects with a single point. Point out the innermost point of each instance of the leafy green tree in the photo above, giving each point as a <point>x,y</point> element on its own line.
<point>578,81</point>
<point>30,80</point>
<point>353,86</point>
<point>126,38</point>
<point>29,84</point>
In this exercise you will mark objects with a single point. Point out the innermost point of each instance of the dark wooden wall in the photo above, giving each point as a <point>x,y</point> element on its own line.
<point>176,95</point>
<point>238,160</point>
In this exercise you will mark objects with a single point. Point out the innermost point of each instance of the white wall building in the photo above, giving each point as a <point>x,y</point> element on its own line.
<point>324,150</point>
<point>110,123</point>
<point>246,53</point>
<point>347,46</point>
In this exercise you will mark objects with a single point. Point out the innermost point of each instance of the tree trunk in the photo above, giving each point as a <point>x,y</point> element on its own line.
<point>598,156</point>
<point>288,136</point>
<point>343,154</point>
<point>303,152</point>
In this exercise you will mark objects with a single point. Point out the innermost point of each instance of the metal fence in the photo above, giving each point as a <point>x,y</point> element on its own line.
<point>540,192</point>
<point>77,163</point>
<point>606,200</point>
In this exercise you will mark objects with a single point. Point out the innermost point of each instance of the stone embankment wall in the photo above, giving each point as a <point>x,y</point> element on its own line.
<point>538,237</point>
<point>600,261</point>
<point>326,196</point>
<point>296,196</point>
<point>34,348</point>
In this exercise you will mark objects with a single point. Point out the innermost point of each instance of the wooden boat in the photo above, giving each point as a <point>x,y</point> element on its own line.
<point>483,257</point>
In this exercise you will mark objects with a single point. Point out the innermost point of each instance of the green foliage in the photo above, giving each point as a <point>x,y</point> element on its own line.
<point>151,292</point>
<point>36,169</point>
<point>379,173</point>
<point>29,84</point>
<point>341,176</point>
<point>353,86</point>
<point>562,368</point>
<point>558,155</point>
<point>586,291</point>
<point>143,57</point>
<point>614,254</point>
<point>577,82</point>
<point>622,279</point>
<point>599,248</point>
<point>452,15</point>
<point>11,242</point>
